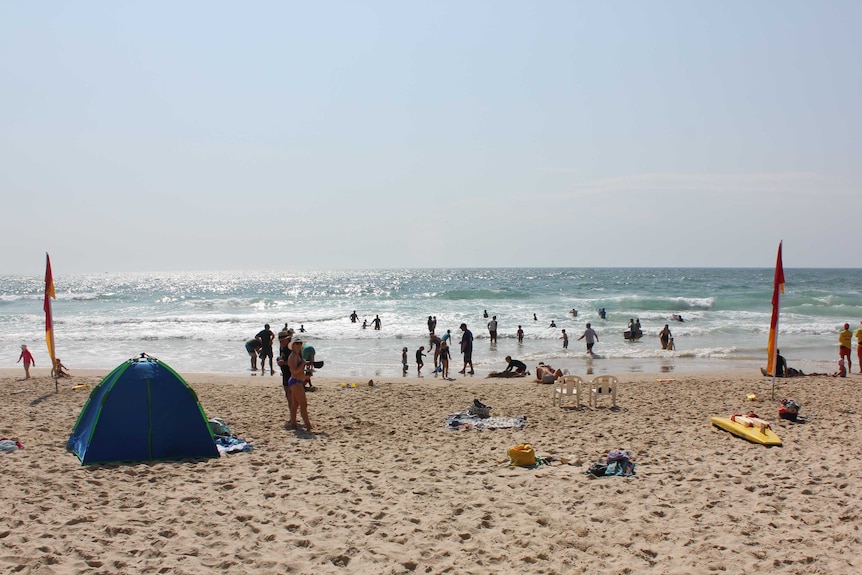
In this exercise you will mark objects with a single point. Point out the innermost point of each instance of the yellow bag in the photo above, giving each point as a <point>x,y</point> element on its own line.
<point>522,455</point>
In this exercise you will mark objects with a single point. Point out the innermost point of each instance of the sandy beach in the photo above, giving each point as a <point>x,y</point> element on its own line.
<point>382,486</point>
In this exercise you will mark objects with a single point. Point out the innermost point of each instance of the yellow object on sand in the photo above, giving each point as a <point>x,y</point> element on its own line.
<point>751,397</point>
<point>80,386</point>
<point>666,380</point>
<point>750,428</point>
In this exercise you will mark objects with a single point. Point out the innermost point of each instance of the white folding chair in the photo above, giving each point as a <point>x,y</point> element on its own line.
<point>568,386</point>
<point>603,385</point>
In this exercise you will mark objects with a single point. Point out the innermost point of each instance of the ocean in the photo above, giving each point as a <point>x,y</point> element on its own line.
<point>198,322</point>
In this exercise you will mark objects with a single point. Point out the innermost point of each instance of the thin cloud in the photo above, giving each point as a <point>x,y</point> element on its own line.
<point>763,183</point>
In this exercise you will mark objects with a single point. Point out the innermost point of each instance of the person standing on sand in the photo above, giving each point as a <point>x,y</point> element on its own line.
<point>295,386</point>
<point>284,338</point>
<point>265,337</point>
<point>28,360</point>
<point>434,342</point>
<point>845,338</point>
<point>492,329</point>
<point>859,346</point>
<point>592,337</point>
<point>467,348</point>
<point>444,359</point>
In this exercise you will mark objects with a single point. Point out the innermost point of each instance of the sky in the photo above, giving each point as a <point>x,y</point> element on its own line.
<point>163,136</point>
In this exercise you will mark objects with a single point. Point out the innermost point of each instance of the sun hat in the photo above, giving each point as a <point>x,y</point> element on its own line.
<point>283,335</point>
<point>296,340</point>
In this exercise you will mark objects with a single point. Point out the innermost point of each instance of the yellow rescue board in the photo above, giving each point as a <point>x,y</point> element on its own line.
<point>756,434</point>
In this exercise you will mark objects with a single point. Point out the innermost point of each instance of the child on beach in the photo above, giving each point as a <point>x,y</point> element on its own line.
<point>565,339</point>
<point>28,360</point>
<point>841,371</point>
<point>444,359</point>
<point>60,370</point>
<point>404,365</point>
<point>419,362</point>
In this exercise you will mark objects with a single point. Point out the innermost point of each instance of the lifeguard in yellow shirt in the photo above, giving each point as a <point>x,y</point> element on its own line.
<point>845,338</point>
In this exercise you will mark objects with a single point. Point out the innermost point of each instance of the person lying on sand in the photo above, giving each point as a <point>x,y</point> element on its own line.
<point>547,374</point>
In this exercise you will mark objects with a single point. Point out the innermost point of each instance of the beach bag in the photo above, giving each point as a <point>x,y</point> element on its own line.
<point>479,409</point>
<point>218,427</point>
<point>616,455</point>
<point>522,455</point>
<point>789,410</point>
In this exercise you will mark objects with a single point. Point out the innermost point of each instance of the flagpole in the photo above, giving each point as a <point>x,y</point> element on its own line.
<point>772,347</point>
<point>775,348</point>
<point>49,319</point>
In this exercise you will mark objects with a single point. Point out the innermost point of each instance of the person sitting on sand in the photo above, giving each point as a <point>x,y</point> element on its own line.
<point>781,369</point>
<point>842,372</point>
<point>60,370</point>
<point>547,374</point>
<point>515,365</point>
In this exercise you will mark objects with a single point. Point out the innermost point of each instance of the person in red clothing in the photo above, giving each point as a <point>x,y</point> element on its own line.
<point>28,360</point>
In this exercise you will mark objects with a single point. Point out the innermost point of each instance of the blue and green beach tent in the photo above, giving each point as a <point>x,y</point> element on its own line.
<point>142,411</point>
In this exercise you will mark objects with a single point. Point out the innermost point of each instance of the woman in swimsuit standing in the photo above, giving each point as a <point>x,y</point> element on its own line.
<point>295,386</point>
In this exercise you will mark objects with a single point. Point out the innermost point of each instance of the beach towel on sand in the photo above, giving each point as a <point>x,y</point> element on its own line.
<point>9,445</point>
<point>463,420</point>
<point>231,445</point>
<point>617,462</point>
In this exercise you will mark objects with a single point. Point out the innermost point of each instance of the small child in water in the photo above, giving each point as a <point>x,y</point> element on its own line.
<point>419,362</point>
<point>404,365</point>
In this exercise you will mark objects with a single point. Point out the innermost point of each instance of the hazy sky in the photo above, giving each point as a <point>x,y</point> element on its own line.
<point>280,135</point>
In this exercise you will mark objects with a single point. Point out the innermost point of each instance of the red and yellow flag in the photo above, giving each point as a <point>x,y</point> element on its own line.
<point>777,290</point>
<point>49,319</point>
